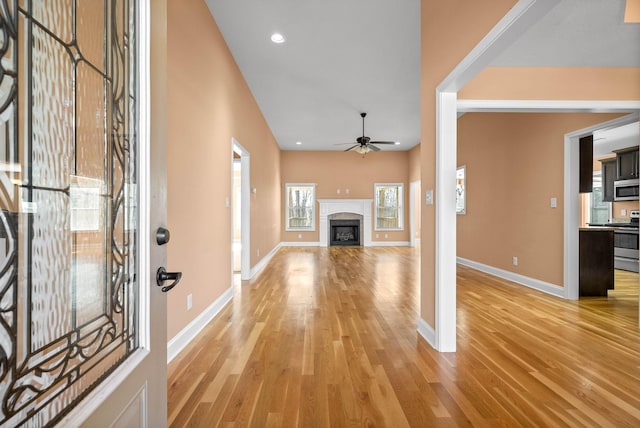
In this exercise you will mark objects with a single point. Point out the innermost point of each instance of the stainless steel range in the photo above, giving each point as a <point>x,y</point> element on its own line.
<point>625,238</point>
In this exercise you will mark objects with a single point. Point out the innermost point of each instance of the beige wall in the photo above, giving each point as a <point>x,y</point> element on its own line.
<point>622,209</point>
<point>449,30</point>
<point>208,104</point>
<point>561,83</point>
<point>508,194</point>
<point>333,171</point>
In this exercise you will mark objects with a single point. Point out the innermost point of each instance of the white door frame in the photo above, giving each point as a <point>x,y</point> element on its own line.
<point>571,204</point>
<point>413,219</point>
<point>510,28</point>
<point>245,209</point>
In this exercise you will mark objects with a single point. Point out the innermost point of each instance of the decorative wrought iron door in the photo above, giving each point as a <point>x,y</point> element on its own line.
<point>68,215</point>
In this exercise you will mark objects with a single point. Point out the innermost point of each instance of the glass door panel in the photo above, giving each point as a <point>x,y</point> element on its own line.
<point>68,207</point>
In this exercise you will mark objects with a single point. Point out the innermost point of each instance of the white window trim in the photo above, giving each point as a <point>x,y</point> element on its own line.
<point>400,207</point>
<point>313,208</point>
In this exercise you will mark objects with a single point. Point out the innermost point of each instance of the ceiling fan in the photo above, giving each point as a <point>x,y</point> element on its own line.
<point>364,144</point>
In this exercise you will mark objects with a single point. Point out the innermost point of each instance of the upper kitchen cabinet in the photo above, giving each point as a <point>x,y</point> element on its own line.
<point>609,175</point>
<point>627,163</point>
<point>586,164</point>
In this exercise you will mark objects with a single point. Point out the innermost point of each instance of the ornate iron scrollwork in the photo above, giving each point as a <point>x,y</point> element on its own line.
<point>68,95</point>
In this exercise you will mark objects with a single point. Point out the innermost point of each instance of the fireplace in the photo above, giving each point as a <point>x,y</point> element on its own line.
<point>345,209</point>
<point>345,232</point>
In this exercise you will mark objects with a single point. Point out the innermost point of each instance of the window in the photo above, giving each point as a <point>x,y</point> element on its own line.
<point>389,211</point>
<point>600,211</point>
<point>300,206</point>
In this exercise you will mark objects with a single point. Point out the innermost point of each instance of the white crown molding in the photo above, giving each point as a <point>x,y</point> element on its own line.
<point>546,106</point>
<point>187,334</point>
<point>536,284</point>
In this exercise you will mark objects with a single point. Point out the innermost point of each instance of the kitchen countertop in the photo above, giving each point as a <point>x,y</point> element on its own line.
<point>593,228</point>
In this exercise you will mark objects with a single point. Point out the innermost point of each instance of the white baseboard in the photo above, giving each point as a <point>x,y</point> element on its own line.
<point>187,334</point>
<point>536,284</point>
<point>390,244</point>
<point>427,332</point>
<point>373,244</point>
<point>300,244</point>
<point>264,261</point>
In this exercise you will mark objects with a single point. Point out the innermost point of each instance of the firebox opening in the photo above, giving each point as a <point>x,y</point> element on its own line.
<point>345,232</point>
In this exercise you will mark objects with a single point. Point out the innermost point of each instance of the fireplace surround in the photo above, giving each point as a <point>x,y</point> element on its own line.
<point>345,209</point>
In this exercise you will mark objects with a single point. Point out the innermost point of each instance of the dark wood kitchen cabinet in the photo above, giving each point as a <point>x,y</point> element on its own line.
<point>596,261</point>
<point>627,163</point>
<point>609,175</point>
<point>586,164</point>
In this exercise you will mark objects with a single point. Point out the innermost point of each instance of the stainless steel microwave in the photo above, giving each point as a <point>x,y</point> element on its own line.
<point>626,190</point>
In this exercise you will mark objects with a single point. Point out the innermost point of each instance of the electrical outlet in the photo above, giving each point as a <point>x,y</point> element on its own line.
<point>338,191</point>
<point>377,235</point>
<point>299,235</point>
<point>189,301</point>
<point>515,261</point>
<point>623,212</point>
<point>386,235</point>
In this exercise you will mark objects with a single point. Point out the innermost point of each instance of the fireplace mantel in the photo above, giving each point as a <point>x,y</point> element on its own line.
<point>335,206</point>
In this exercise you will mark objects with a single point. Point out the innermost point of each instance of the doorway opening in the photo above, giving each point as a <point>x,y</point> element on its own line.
<point>240,211</point>
<point>608,136</point>
<point>236,210</point>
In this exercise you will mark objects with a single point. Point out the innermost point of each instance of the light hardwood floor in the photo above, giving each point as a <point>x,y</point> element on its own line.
<point>327,337</point>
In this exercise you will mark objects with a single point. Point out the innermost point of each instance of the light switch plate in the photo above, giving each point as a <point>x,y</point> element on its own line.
<point>429,197</point>
<point>554,202</point>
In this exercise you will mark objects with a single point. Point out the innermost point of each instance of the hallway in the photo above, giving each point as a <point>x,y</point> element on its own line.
<point>327,337</point>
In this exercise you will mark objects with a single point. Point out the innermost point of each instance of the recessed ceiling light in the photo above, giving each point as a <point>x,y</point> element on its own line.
<point>298,142</point>
<point>397,143</point>
<point>277,38</point>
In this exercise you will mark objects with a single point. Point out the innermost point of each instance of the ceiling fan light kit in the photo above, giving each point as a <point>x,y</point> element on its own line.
<point>364,144</point>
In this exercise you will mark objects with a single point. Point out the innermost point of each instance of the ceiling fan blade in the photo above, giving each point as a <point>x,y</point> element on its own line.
<point>342,144</point>
<point>352,147</point>
<point>382,142</point>
<point>374,148</point>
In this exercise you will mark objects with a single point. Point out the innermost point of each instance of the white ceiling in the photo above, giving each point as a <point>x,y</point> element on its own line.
<point>605,141</point>
<point>343,57</point>
<point>578,33</point>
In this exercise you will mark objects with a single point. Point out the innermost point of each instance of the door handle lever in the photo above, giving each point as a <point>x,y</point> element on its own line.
<point>163,276</point>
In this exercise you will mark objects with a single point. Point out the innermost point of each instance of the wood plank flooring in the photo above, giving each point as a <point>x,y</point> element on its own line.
<point>327,337</point>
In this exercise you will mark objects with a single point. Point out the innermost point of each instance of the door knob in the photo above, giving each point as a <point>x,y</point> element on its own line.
<point>163,276</point>
<point>162,236</point>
